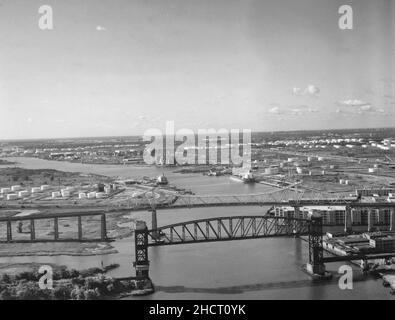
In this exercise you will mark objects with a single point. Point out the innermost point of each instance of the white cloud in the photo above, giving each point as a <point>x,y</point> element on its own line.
<point>297,91</point>
<point>353,103</point>
<point>359,107</point>
<point>291,110</point>
<point>302,109</point>
<point>310,90</point>
<point>275,110</point>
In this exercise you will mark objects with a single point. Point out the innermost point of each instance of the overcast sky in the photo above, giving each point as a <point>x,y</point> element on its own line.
<point>119,67</point>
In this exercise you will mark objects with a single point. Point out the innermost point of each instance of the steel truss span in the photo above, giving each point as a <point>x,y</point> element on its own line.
<point>286,196</point>
<point>227,228</point>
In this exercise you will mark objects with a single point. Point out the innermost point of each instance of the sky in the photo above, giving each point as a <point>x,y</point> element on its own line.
<point>120,67</point>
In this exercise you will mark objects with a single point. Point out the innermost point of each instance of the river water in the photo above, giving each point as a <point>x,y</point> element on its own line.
<point>248,269</point>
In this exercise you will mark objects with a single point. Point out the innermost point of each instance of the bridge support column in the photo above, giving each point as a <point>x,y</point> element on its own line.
<point>296,212</point>
<point>154,224</point>
<point>141,250</point>
<point>56,228</point>
<point>9,231</point>
<point>32,230</point>
<point>392,219</point>
<point>348,220</point>
<point>370,220</point>
<point>79,228</point>
<point>316,253</point>
<point>103,227</point>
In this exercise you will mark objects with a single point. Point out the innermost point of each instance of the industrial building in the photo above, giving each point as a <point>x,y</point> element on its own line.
<point>334,215</point>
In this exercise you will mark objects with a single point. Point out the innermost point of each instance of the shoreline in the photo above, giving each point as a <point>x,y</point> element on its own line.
<point>51,249</point>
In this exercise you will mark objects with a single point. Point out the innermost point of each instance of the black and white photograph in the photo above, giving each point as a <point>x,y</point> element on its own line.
<point>197,150</point>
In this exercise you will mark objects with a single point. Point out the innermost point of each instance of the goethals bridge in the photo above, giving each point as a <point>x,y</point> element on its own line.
<point>221,228</point>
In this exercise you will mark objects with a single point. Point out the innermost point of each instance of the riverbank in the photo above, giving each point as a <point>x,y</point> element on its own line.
<point>55,249</point>
<point>21,282</point>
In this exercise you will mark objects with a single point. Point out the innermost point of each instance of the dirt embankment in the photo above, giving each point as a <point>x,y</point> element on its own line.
<point>36,177</point>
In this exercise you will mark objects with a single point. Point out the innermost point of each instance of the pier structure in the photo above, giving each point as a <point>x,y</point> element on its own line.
<point>33,223</point>
<point>348,219</point>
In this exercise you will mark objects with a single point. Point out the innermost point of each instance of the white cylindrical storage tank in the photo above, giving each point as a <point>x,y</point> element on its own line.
<point>56,194</point>
<point>346,182</point>
<point>341,181</point>
<point>372,170</point>
<point>36,189</point>
<point>5,190</point>
<point>91,195</point>
<point>82,195</point>
<point>323,172</point>
<point>65,193</point>
<point>320,159</point>
<point>299,170</point>
<point>16,188</point>
<point>12,196</point>
<point>309,159</point>
<point>107,190</point>
<point>45,187</point>
<point>23,193</point>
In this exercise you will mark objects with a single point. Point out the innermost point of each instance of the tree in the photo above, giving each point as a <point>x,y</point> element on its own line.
<point>62,293</point>
<point>5,278</point>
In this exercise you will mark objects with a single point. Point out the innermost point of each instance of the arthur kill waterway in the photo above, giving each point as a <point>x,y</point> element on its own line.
<point>248,269</point>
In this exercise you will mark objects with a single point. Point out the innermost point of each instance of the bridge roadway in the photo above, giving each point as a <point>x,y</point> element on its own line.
<point>283,197</point>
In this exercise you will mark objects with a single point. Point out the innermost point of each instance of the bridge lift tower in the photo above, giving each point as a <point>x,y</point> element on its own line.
<point>316,252</point>
<point>141,250</point>
<point>154,217</point>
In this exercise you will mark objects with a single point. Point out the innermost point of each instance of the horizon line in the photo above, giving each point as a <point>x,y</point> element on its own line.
<point>140,136</point>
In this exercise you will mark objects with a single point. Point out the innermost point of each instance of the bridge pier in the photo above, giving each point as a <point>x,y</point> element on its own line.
<point>392,219</point>
<point>103,227</point>
<point>56,228</point>
<point>296,212</point>
<point>316,253</point>
<point>79,228</point>
<point>154,224</point>
<point>348,220</point>
<point>32,230</point>
<point>141,250</point>
<point>9,231</point>
<point>370,220</point>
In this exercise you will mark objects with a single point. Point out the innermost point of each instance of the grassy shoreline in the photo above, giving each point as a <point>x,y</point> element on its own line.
<point>22,282</point>
<point>56,249</point>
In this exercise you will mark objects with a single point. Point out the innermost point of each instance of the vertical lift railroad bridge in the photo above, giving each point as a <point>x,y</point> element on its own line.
<point>253,227</point>
<point>226,229</point>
